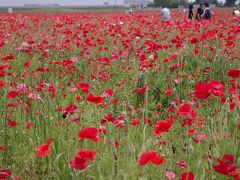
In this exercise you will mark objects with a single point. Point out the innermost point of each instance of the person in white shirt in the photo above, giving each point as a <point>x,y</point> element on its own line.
<point>236,12</point>
<point>165,14</point>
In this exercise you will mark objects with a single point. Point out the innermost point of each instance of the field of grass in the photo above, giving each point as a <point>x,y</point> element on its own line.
<point>107,95</point>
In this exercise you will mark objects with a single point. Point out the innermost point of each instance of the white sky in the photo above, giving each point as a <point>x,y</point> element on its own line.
<point>61,2</point>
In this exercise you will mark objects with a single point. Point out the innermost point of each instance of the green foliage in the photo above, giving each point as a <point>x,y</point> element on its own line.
<point>169,3</point>
<point>230,2</point>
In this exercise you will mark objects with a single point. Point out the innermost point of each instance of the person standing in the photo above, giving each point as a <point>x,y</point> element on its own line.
<point>236,12</point>
<point>207,13</point>
<point>190,12</point>
<point>165,14</point>
<point>199,11</point>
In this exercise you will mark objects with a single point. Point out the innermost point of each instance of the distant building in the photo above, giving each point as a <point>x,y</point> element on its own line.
<point>129,3</point>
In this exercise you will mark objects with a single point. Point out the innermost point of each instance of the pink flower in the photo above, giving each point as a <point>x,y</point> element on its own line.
<point>74,89</point>
<point>21,87</point>
<point>34,96</point>
<point>170,175</point>
<point>200,137</point>
<point>74,59</point>
<point>24,44</point>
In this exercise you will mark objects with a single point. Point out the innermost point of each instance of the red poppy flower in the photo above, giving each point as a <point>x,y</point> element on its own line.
<point>116,144</point>
<point>168,90</point>
<point>187,122</point>
<point>8,57</point>
<point>114,101</point>
<point>94,99</point>
<point>147,121</point>
<point>108,118</point>
<point>162,127</point>
<point>107,93</point>
<point>89,133</point>
<point>150,157</point>
<point>2,84</point>
<point>185,110</point>
<point>11,123</point>
<point>234,73</point>
<point>182,164</point>
<point>225,165</point>
<point>202,90</point>
<point>5,173</point>
<point>141,90</point>
<point>236,175</point>
<point>134,122</point>
<point>78,163</point>
<point>29,124</point>
<point>84,87</point>
<point>194,40</point>
<point>12,94</point>
<point>87,154</point>
<point>187,175</point>
<point>2,148</point>
<point>217,88</point>
<point>43,149</point>
<point>191,131</point>
<point>69,110</point>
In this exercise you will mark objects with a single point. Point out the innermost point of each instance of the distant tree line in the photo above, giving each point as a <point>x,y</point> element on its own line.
<point>176,3</point>
<point>169,3</point>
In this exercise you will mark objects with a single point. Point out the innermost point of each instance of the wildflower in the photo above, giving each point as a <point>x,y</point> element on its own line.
<point>150,157</point>
<point>11,123</point>
<point>186,110</point>
<point>94,99</point>
<point>225,165</point>
<point>187,175</point>
<point>234,73</point>
<point>182,164</point>
<point>162,127</point>
<point>79,162</point>
<point>170,175</point>
<point>43,149</point>
<point>89,133</point>
<point>84,87</point>
<point>12,94</point>
<point>5,173</point>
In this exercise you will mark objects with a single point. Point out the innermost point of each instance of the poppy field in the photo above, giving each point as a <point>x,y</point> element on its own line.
<point>104,95</point>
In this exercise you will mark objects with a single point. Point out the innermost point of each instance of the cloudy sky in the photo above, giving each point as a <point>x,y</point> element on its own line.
<point>61,2</point>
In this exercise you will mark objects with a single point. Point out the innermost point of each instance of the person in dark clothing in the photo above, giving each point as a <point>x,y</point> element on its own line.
<point>190,12</point>
<point>199,11</point>
<point>207,13</point>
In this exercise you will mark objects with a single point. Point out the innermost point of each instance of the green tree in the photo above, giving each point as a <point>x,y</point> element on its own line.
<point>209,1</point>
<point>159,3</point>
<point>169,3</point>
<point>230,2</point>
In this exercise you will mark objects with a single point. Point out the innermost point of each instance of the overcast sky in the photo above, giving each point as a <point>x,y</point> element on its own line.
<point>61,2</point>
